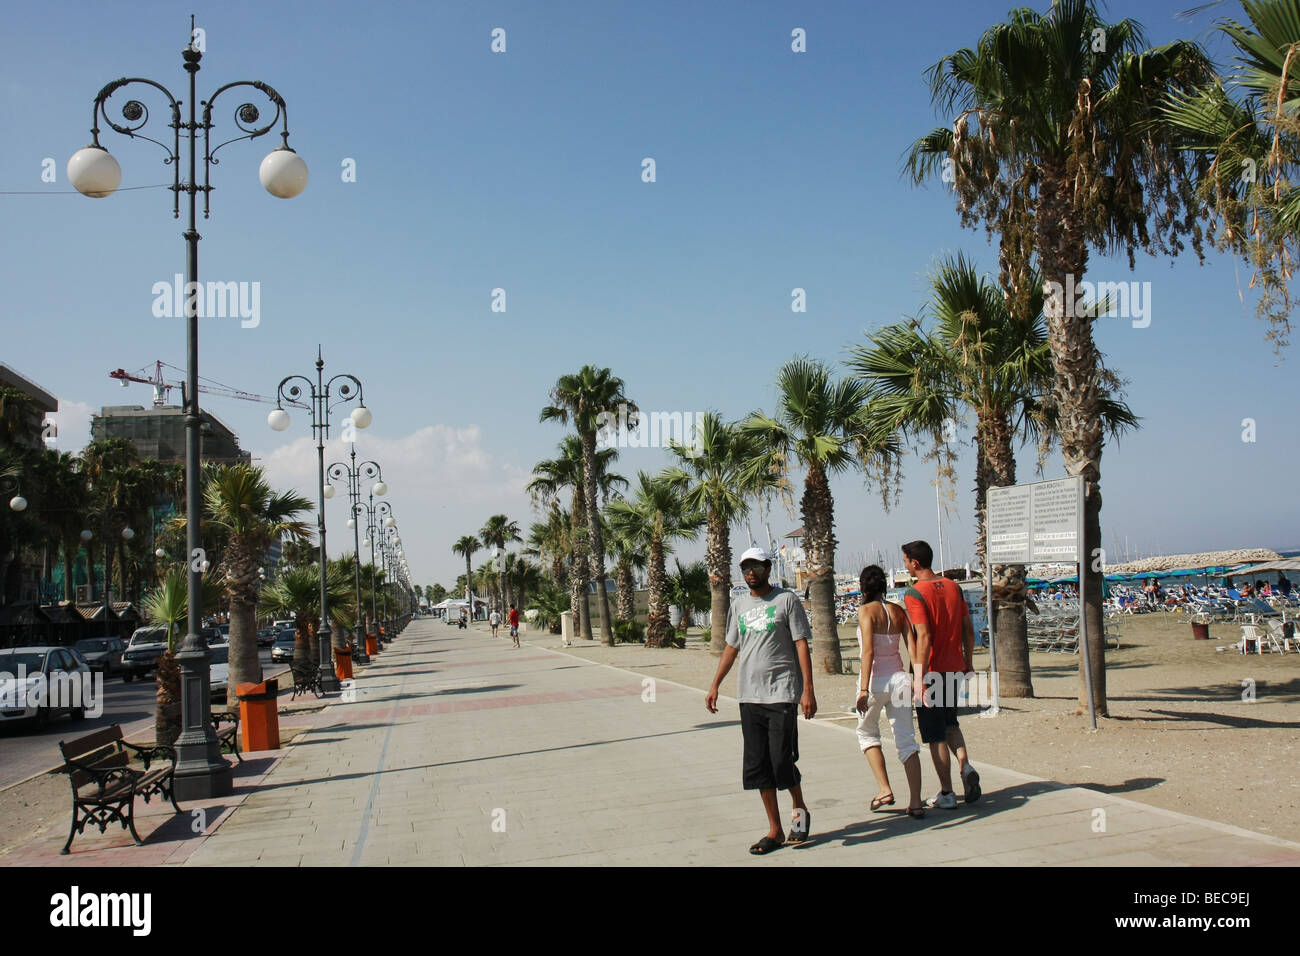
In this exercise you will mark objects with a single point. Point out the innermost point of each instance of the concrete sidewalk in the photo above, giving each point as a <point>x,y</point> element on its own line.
<point>461,750</point>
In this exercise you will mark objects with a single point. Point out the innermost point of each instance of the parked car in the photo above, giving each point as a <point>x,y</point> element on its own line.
<point>266,636</point>
<point>212,635</point>
<point>220,669</point>
<point>282,649</point>
<point>102,654</point>
<point>147,644</point>
<point>47,674</point>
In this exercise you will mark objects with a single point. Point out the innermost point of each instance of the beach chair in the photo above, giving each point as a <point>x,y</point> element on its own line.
<point>1250,633</point>
<point>1275,635</point>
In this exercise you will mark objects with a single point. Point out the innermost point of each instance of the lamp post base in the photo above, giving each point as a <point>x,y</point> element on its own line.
<point>359,655</point>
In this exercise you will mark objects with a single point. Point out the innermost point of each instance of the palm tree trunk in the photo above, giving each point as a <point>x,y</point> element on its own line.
<point>245,666</point>
<point>69,569</point>
<point>581,569</point>
<point>597,555</point>
<point>717,554</point>
<point>658,631</point>
<point>819,526</point>
<point>1063,253</point>
<point>167,717</point>
<point>1007,615</point>
<point>304,643</point>
<point>626,590</point>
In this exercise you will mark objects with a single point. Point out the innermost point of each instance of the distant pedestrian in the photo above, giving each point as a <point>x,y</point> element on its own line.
<point>767,631</point>
<point>514,624</point>
<point>945,647</point>
<point>495,620</point>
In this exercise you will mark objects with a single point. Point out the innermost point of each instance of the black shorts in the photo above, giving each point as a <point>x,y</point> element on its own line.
<point>934,721</point>
<point>771,734</point>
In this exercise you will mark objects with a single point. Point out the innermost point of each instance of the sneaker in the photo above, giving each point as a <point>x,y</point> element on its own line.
<point>970,779</point>
<point>944,801</point>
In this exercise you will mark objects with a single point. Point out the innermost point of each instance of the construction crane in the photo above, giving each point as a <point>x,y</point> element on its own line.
<point>161,387</point>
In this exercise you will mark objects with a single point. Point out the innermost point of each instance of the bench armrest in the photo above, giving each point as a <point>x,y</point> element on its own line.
<point>150,754</point>
<point>103,775</point>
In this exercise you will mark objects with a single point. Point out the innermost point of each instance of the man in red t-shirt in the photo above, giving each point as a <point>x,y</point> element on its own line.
<point>514,624</point>
<point>945,648</point>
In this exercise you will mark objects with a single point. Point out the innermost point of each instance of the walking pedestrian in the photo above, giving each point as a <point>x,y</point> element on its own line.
<point>768,632</point>
<point>883,684</point>
<point>514,624</point>
<point>495,620</point>
<point>945,648</point>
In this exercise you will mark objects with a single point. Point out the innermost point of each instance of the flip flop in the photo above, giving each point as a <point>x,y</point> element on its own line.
<point>765,845</point>
<point>878,802</point>
<point>916,813</point>
<point>798,834</point>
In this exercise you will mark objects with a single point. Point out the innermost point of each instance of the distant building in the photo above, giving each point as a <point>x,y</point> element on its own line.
<point>159,433</point>
<point>42,404</point>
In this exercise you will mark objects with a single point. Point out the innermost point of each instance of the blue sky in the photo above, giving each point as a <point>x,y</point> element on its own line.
<point>522,171</point>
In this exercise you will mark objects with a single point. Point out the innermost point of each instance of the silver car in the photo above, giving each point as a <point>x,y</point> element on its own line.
<point>220,669</point>
<point>41,682</point>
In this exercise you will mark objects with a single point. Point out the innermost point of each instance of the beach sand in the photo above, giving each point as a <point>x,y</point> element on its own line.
<point>1179,734</point>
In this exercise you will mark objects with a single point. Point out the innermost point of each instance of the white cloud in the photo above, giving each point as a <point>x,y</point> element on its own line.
<point>442,485</point>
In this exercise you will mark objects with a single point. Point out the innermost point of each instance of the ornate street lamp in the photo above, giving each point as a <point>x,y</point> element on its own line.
<point>316,400</point>
<point>354,473</point>
<point>108,519</point>
<point>201,772</point>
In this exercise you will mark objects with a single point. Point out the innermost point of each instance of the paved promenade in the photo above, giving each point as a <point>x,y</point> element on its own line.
<point>460,750</point>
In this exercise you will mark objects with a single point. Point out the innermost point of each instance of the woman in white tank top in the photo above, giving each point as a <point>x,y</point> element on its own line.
<point>883,684</point>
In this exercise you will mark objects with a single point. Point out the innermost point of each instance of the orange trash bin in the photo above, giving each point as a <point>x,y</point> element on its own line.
<point>343,663</point>
<point>259,720</point>
<point>372,645</point>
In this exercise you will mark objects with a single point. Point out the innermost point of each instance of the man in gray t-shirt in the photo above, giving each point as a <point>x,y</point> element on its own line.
<point>767,631</point>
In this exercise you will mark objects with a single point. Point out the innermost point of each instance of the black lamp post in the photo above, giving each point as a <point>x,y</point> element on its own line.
<point>317,402</point>
<point>377,517</point>
<point>201,772</point>
<point>353,474</point>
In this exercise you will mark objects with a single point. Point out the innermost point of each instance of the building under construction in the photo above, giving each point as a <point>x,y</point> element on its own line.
<point>158,432</point>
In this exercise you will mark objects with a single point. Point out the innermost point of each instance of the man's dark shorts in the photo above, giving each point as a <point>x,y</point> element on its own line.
<point>933,722</point>
<point>771,734</point>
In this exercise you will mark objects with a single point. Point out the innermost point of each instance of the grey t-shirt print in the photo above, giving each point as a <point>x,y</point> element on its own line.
<point>763,631</point>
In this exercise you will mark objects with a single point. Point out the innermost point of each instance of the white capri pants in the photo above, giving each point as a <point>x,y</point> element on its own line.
<point>893,694</point>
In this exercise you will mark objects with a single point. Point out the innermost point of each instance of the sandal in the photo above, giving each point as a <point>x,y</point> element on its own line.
<point>798,834</point>
<point>879,802</point>
<point>765,845</point>
<point>916,813</point>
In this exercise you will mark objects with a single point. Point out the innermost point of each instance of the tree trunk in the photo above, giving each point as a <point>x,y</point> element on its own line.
<point>167,718</point>
<point>69,570</point>
<point>819,525</point>
<point>626,591</point>
<point>1077,389</point>
<point>581,569</point>
<point>305,651</point>
<point>1007,615</point>
<point>658,631</point>
<point>596,558</point>
<point>245,666</point>
<point>717,555</point>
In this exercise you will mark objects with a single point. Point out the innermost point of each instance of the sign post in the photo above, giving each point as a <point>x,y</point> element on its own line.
<point>1034,523</point>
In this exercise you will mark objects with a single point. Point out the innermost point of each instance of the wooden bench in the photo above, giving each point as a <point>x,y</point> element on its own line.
<point>104,785</point>
<point>306,677</point>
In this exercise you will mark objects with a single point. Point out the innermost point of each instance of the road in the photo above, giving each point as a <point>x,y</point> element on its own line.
<point>25,751</point>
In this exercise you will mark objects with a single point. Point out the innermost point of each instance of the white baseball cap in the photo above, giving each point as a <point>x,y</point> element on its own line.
<point>756,554</point>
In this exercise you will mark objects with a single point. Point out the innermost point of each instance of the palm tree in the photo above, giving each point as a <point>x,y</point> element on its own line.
<point>585,399</point>
<point>567,472</point>
<point>980,356</point>
<point>689,589</point>
<point>241,507</point>
<point>550,603</point>
<point>296,593</point>
<point>498,532</point>
<point>658,512</point>
<point>551,541</point>
<point>168,604</point>
<point>1249,157</point>
<point>821,426</point>
<point>628,546</point>
<point>466,547</point>
<point>1057,147</point>
<point>714,478</point>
